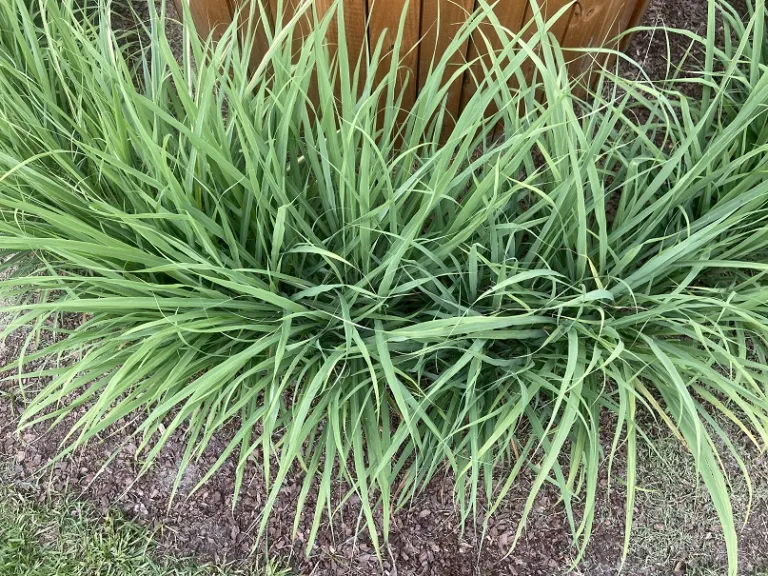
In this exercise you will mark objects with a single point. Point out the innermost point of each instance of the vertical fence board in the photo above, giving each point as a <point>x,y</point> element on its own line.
<point>582,33</point>
<point>440,21</point>
<point>641,6</point>
<point>430,26</point>
<point>510,14</point>
<point>383,22</point>
<point>257,26</point>
<point>625,13</point>
<point>321,9</point>
<point>617,19</point>
<point>593,25</point>
<point>316,14</point>
<point>208,16</point>
<point>548,10</point>
<point>557,29</point>
<point>356,31</point>
<point>284,10</point>
<point>355,36</point>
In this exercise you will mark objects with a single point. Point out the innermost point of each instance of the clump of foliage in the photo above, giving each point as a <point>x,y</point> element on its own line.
<point>369,297</point>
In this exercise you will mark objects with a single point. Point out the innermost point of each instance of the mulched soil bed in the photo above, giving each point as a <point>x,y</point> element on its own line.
<point>426,538</point>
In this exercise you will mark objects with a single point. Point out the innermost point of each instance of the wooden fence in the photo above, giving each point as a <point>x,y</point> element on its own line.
<point>584,24</point>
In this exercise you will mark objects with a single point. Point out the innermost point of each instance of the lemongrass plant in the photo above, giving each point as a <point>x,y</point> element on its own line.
<point>371,299</point>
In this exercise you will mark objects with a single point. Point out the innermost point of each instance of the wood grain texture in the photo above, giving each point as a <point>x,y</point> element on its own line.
<point>557,30</point>
<point>430,26</point>
<point>254,17</point>
<point>209,16</point>
<point>617,21</point>
<point>584,32</point>
<point>641,7</point>
<point>594,24</point>
<point>353,14</point>
<point>383,25</point>
<point>549,8</point>
<point>440,21</point>
<point>283,11</point>
<point>356,37</point>
<point>626,11</point>
<point>510,14</point>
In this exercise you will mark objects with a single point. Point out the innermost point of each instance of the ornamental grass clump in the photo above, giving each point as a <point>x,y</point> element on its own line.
<point>370,298</point>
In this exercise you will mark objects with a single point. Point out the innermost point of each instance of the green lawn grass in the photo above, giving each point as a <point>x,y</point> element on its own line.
<point>63,537</point>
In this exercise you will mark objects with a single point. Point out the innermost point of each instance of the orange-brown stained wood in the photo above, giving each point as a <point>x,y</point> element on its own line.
<point>641,6</point>
<point>254,18</point>
<point>510,15</point>
<point>549,9</point>
<point>384,18</point>
<point>328,12</point>
<point>306,13</point>
<point>284,11</point>
<point>556,14</point>
<point>585,24</point>
<point>614,25</point>
<point>557,30</point>
<point>624,11</point>
<point>593,24</point>
<point>440,22</point>
<point>353,13</point>
<point>263,11</point>
<point>356,33</point>
<point>208,16</point>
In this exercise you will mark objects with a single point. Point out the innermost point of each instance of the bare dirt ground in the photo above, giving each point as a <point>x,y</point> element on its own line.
<point>675,530</point>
